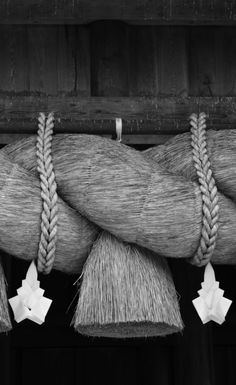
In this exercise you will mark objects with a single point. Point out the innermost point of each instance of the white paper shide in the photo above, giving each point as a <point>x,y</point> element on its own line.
<point>29,303</point>
<point>211,305</point>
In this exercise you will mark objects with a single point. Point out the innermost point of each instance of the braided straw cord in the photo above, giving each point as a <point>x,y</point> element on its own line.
<point>47,244</point>
<point>210,207</point>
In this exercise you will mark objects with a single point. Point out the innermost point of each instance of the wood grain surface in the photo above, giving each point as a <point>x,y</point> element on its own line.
<point>142,11</point>
<point>141,115</point>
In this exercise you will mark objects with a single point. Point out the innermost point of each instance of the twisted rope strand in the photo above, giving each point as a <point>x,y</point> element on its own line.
<point>47,244</point>
<point>210,207</point>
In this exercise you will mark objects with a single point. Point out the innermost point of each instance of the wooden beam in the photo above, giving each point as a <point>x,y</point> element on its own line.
<point>142,11</point>
<point>96,115</point>
<point>126,139</point>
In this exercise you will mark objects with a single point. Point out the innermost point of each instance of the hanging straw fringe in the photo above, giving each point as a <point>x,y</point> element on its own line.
<point>47,245</point>
<point>126,291</point>
<point>5,321</point>
<point>210,207</point>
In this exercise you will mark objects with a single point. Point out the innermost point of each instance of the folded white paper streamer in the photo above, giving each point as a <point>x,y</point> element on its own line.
<point>30,302</point>
<point>211,305</point>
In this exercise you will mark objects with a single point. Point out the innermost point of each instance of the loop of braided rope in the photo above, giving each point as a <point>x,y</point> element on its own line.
<point>47,244</point>
<point>210,207</point>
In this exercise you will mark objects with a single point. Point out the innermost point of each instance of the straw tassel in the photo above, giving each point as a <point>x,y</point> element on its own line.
<point>126,291</point>
<point>5,321</point>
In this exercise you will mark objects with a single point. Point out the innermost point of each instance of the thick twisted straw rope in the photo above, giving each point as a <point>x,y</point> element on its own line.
<point>208,189</point>
<point>150,199</point>
<point>47,244</point>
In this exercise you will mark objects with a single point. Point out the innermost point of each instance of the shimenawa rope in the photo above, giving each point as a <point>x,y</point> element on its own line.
<point>47,244</point>
<point>210,207</point>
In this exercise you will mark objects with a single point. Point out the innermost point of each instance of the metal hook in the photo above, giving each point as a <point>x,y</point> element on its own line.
<point>119,129</point>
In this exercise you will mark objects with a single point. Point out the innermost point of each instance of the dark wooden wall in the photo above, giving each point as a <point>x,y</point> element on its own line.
<point>152,77</point>
<point>116,59</point>
<point>102,59</point>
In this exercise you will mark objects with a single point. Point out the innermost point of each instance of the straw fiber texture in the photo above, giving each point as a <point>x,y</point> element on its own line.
<point>159,315</point>
<point>152,199</point>
<point>175,156</point>
<point>49,218</point>
<point>119,190</point>
<point>210,207</point>
<point>126,292</point>
<point>5,322</point>
<point>20,219</point>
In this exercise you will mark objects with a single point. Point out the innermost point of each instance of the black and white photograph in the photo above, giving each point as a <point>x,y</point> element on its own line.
<point>118,192</point>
